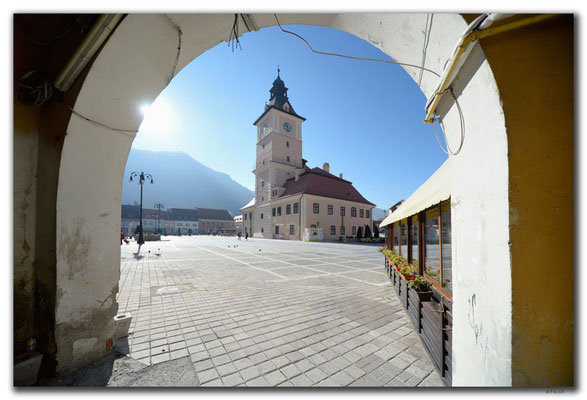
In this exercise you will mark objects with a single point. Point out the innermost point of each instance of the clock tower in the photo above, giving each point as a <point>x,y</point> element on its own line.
<point>279,151</point>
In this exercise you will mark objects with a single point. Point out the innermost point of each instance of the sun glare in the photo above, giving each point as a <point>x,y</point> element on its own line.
<point>159,117</point>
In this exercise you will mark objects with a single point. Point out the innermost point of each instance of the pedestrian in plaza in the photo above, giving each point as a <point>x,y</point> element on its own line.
<point>247,236</point>
<point>239,235</point>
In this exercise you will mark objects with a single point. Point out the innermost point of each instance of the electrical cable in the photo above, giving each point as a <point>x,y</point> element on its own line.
<point>352,57</point>
<point>422,68</point>
<point>425,47</point>
<point>234,34</point>
<point>179,34</point>
<point>462,126</point>
<point>49,41</point>
<point>34,88</point>
<point>126,132</point>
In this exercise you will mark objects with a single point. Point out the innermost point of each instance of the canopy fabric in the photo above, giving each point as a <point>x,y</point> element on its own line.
<point>433,191</point>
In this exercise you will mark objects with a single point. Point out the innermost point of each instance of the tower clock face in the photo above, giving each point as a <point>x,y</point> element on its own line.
<point>287,127</point>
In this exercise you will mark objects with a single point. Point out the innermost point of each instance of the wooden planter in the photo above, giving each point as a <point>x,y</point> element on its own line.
<point>431,315</point>
<point>403,290</point>
<point>436,333</point>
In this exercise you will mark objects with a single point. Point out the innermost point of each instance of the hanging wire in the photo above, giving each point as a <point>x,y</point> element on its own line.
<point>34,88</point>
<point>462,126</point>
<point>179,34</point>
<point>425,46</point>
<point>126,132</point>
<point>421,68</point>
<point>352,57</point>
<point>234,34</point>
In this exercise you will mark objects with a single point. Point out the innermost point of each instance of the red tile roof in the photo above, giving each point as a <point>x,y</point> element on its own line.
<point>318,182</point>
<point>209,213</point>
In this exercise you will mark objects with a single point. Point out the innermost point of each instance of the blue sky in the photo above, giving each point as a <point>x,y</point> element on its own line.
<point>364,118</point>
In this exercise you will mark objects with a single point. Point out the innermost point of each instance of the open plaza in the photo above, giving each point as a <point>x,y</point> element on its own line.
<point>269,313</point>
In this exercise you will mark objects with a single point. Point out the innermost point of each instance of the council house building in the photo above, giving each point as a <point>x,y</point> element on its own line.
<point>293,201</point>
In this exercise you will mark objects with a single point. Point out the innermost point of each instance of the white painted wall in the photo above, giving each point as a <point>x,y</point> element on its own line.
<point>135,66</point>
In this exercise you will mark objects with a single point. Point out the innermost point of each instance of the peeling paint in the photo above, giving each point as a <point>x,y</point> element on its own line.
<point>74,247</point>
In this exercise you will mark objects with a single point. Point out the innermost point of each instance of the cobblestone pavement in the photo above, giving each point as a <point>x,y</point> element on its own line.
<point>270,313</point>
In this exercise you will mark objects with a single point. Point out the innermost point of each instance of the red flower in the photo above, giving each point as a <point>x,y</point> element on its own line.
<point>412,278</point>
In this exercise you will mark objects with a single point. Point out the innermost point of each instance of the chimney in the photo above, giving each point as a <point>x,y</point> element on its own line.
<point>326,167</point>
<point>340,175</point>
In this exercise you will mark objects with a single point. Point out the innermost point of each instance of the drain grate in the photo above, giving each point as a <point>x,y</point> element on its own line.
<point>171,290</point>
<point>163,290</point>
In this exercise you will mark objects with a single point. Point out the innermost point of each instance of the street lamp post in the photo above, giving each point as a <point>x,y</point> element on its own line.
<point>142,176</point>
<point>159,206</point>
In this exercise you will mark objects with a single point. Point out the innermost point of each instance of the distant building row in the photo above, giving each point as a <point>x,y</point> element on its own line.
<point>180,221</point>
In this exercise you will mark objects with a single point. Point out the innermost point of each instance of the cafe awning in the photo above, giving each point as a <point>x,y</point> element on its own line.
<point>433,191</point>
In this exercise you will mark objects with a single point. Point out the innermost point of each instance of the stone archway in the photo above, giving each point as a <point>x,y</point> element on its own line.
<point>134,67</point>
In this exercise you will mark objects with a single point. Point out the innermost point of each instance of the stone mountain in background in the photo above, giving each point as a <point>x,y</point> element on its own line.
<point>181,182</point>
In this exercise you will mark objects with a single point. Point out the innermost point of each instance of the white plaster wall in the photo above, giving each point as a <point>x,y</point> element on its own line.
<point>135,66</point>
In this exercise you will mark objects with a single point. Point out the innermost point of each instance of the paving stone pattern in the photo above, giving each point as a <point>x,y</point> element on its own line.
<point>270,313</point>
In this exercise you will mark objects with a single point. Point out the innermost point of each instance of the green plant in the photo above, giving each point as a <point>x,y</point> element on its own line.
<point>406,270</point>
<point>419,283</point>
<point>360,233</point>
<point>375,231</point>
<point>368,232</point>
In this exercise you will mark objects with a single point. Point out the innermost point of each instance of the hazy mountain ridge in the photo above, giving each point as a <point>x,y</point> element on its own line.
<point>181,182</point>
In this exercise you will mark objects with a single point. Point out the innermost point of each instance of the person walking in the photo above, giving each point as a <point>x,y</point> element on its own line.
<point>239,235</point>
<point>247,236</point>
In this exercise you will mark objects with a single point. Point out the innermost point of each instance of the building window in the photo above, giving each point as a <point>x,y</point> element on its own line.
<point>288,209</point>
<point>332,230</point>
<point>287,158</point>
<point>342,230</point>
<point>316,208</point>
<point>395,229</point>
<point>273,211</point>
<point>330,209</point>
<point>277,229</point>
<point>261,215</point>
<point>342,211</point>
<point>446,246</point>
<point>278,211</point>
<point>353,211</point>
<point>414,241</point>
<point>361,213</point>
<point>292,229</point>
<point>262,183</point>
<point>263,145</point>
<point>250,215</point>
<point>286,144</point>
<point>296,208</point>
<point>432,244</point>
<point>245,217</point>
<point>261,230</point>
<point>366,213</point>
<point>403,238</point>
<point>354,231</point>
